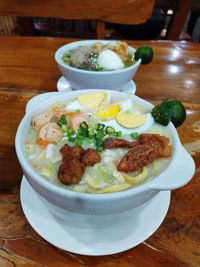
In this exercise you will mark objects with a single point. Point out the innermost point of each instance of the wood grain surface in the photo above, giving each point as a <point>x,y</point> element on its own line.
<point>126,11</point>
<point>28,68</point>
<point>123,12</point>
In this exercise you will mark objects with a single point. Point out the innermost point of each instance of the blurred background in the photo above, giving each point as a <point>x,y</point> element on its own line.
<point>159,26</point>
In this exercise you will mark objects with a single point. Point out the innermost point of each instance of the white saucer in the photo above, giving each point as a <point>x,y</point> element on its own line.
<point>64,85</point>
<point>94,241</point>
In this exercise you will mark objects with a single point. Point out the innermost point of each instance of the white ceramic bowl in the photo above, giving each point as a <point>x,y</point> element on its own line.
<point>84,79</point>
<point>95,208</point>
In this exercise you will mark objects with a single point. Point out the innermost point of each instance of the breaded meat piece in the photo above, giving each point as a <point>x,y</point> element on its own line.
<point>158,142</point>
<point>72,151</point>
<point>112,142</point>
<point>91,157</point>
<point>138,157</point>
<point>70,171</point>
<point>75,159</point>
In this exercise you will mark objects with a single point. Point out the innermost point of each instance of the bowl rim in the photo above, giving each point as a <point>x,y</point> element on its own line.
<point>53,188</point>
<point>61,49</point>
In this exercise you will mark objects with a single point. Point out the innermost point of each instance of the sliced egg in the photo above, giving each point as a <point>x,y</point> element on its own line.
<point>75,105</point>
<point>147,124</point>
<point>89,101</point>
<point>131,120</point>
<point>109,112</point>
<point>109,60</point>
<point>127,106</point>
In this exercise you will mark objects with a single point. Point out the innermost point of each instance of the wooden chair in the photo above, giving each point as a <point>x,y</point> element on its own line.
<point>111,11</point>
<point>180,11</point>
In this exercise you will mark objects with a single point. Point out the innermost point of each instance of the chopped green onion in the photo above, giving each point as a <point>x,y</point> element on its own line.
<point>71,138</point>
<point>91,135</point>
<point>66,58</point>
<point>78,141</point>
<point>92,132</point>
<point>100,126</point>
<point>134,135</point>
<point>99,148</point>
<point>62,120</point>
<point>91,140</point>
<point>82,68</point>
<point>93,55</point>
<point>97,68</point>
<point>83,129</point>
<point>64,128</point>
<point>110,130</point>
<point>70,132</point>
<point>84,125</point>
<point>118,133</point>
<point>100,135</point>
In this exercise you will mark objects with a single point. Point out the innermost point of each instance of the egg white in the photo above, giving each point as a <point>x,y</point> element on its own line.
<point>109,60</point>
<point>127,106</point>
<point>148,123</point>
<point>75,105</point>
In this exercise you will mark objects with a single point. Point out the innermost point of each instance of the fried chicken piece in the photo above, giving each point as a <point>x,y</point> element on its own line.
<point>71,170</point>
<point>112,142</point>
<point>138,157</point>
<point>75,159</point>
<point>90,157</point>
<point>158,142</point>
<point>72,151</point>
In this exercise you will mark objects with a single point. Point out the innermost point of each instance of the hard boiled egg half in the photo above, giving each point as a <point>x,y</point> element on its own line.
<point>129,123</point>
<point>89,101</point>
<point>109,60</point>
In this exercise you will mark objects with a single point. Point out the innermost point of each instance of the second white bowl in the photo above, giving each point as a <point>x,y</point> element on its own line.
<point>84,79</point>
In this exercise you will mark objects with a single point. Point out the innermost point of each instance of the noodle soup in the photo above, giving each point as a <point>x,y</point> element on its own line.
<point>95,143</point>
<point>99,57</point>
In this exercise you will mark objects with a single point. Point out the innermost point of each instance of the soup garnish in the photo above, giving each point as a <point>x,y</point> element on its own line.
<point>97,144</point>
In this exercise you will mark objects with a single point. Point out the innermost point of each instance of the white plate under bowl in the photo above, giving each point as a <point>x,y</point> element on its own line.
<point>143,222</point>
<point>64,85</point>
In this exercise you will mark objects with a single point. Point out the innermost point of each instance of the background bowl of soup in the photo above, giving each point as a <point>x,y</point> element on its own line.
<point>113,73</point>
<point>100,208</point>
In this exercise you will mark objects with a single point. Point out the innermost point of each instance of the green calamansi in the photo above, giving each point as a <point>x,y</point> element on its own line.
<point>145,53</point>
<point>161,114</point>
<point>178,112</point>
<point>169,110</point>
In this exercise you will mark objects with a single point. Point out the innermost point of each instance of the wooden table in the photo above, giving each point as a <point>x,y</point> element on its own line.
<point>27,68</point>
